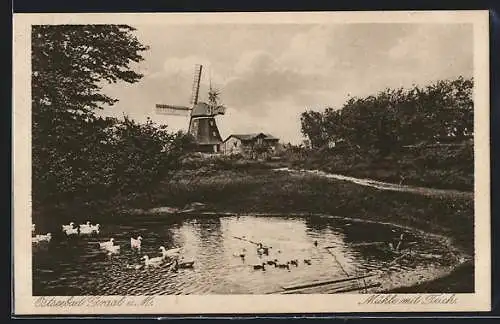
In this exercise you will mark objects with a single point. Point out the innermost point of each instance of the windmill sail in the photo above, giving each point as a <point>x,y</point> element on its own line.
<point>196,84</point>
<point>172,110</point>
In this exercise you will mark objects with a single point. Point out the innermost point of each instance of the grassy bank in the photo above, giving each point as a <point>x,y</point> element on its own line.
<point>438,166</point>
<point>461,280</point>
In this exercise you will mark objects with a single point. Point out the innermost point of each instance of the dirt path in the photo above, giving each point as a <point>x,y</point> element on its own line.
<point>386,185</point>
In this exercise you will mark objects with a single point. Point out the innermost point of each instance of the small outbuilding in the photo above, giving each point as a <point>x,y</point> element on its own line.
<point>250,144</point>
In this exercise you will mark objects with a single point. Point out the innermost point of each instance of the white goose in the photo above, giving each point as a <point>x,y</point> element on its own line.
<point>85,230</point>
<point>65,228</point>
<point>112,249</point>
<point>172,253</point>
<point>105,245</point>
<point>42,238</point>
<point>71,231</point>
<point>85,225</point>
<point>134,266</point>
<point>152,262</point>
<point>135,243</point>
<point>94,228</point>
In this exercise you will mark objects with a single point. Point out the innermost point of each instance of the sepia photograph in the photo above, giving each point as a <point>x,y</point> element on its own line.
<point>270,162</point>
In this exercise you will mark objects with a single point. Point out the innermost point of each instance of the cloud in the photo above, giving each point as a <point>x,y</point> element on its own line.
<point>254,60</point>
<point>259,80</point>
<point>308,52</point>
<point>182,65</point>
<point>438,51</point>
<point>316,67</point>
<point>261,77</point>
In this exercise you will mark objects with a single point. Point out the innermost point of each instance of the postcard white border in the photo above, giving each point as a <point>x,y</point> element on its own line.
<point>24,302</point>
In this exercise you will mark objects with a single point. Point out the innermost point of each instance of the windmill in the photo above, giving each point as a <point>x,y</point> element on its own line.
<point>202,125</point>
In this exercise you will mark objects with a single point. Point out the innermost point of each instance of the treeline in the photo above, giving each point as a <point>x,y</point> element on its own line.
<point>80,159</point>
<point>383,122</point>
<point>396,136</point>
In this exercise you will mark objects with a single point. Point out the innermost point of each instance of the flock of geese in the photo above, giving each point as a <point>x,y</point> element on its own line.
<point>264,251</point>
<point>37,238</point>
<point>170,257</point>
<point>69,230</point>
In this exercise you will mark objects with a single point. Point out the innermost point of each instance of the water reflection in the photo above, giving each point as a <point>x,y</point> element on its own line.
<point>76,266</point>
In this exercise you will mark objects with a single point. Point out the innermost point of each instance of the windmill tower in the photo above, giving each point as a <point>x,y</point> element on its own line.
<point>202,125</point>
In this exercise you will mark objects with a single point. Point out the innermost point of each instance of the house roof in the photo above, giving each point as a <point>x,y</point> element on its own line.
<point>248,137</point>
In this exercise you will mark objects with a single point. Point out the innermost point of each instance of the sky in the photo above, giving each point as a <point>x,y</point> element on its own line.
<point>269,74</point>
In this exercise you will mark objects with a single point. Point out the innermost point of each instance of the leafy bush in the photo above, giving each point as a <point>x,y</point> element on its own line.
<point>103,159</point>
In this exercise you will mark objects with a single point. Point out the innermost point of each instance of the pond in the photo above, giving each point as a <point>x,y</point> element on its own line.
<point>333,249</point>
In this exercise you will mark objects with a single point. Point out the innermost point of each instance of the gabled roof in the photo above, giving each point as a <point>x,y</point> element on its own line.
<point>270,137</point>
<point>252,136</point>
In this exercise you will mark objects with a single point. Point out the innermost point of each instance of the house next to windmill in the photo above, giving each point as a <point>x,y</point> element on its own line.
<point>247,144</point>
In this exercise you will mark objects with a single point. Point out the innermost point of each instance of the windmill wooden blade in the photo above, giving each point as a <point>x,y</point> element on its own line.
<point>172,110</point>
<point>196,84</point>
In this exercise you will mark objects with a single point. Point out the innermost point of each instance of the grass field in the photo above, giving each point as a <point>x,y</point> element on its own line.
<point>438,166</point>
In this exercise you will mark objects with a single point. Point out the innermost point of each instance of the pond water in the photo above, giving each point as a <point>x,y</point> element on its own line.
<point>77,266</point>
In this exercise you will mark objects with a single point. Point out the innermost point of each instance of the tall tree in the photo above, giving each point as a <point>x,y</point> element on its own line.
<point>70,63</point>
<point>312,126</point>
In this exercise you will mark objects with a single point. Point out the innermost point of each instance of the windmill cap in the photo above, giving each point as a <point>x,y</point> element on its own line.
<point>204,109</point>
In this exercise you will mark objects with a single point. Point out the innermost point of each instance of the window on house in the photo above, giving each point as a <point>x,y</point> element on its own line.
<point>214,133</point>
